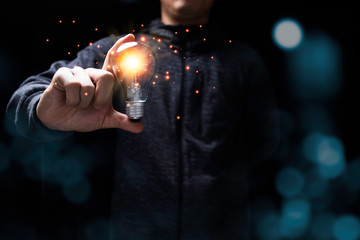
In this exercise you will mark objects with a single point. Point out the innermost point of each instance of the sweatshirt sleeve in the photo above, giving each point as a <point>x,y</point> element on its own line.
<point>21,109</point>
<point>262,115</point>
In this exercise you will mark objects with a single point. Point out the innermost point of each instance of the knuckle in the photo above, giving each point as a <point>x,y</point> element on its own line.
<point>72,85</point>
<point>107,75</point>
<point>88,89</point>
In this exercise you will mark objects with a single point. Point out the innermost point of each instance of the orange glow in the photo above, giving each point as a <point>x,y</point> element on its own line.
<point>187,30</point>
<point>86,93</point>
<point>137,84</point>
<point>167,77</point>
<point>187,67</point>
<point>143,39</point>
<point>153,82</point>
<point>132,63</point>
<point>178,117</point>
<point>197,91</point>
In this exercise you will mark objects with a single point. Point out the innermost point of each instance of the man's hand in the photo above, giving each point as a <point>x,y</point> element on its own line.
<point>81,100</point>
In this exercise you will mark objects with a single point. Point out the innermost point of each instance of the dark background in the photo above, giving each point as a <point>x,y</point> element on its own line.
<point>32,208</point>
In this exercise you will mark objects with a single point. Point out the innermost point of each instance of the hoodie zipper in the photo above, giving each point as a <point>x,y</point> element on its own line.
<point>179,229</point>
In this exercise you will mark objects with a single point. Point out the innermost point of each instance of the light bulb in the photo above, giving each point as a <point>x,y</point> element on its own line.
<point>133,64</point>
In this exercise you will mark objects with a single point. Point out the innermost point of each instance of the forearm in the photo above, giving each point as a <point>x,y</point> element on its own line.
<point>21,109</point>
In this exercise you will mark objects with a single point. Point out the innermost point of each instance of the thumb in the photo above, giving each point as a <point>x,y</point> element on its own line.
<point>119,120</point>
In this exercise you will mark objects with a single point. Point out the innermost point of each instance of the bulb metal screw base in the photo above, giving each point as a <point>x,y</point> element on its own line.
<point>134,110</point>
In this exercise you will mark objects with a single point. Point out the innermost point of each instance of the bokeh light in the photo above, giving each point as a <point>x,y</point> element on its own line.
<point>352,176</point>
<point>287,34</point>
<point>295,218</point>
<point>346,227</point>
<point>289,182</point>
<point>321,228</point>
<point>77,192</point>
<point>315,68</point>
<point>327,153</point>
<point>315,185</point>
<point>269,227</point>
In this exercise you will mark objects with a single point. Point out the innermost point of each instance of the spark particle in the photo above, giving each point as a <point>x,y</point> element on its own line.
<point>167,77</point>
<point>156,76</point>
<point>197,71</point>
<point>78,45</point>
<point>175,51</point>
<point>73,21</point>
<point>159,40</point>
<point>47,40</point>
<point>86,93</point>
<point>143,39</point>
<point>60,21</point>
<point>55,83</point>
<point>187,67</point>
<point>197,91</point>
<point>176,33</point>
<point>68,53</point>
<point>204,39</point>
<point>187,30</point>
<point>96,29</point>
<point>200,26</point>
<point>178,117</point>
<point>153,82</point>
<point>230,41</point>
<point>98,46</point>
<point>171,46</point>
<point>90,43</point>
<point>167,72</point>
<point>159,48</point>
<point>142,25</point>
<point>212,57</point>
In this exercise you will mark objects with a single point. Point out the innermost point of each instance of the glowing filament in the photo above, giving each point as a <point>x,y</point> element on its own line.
<point>132,63</point>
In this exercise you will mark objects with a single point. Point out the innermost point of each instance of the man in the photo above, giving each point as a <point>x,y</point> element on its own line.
<point>209,119</point>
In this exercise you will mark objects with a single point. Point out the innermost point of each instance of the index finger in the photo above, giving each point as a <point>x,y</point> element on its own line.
<point>128,38</point>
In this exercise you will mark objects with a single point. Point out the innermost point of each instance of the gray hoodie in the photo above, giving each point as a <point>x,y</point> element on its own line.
<point>209,119</point>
